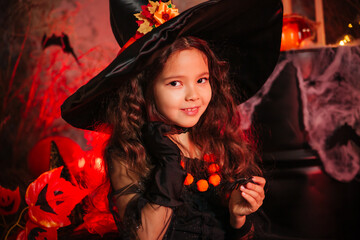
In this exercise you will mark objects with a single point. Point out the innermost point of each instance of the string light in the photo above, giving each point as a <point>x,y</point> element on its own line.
<point>346,39</point>
<point>350,25</point>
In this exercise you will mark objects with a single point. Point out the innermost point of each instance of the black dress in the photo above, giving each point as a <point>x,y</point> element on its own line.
<point>204,214</point>
<point>201,214</point>
<point>198,212</point>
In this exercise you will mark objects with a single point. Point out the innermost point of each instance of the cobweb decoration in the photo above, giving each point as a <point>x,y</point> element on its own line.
<point>247,108</point>
<point>331,98</point>
<point>329,83</point>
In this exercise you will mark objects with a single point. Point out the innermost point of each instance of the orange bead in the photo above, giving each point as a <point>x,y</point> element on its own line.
<point>182,163</point>
<point>189,179</point>
<point>213,168</point>
<point>209,157</point>
<point>202,185</point>
<point>214,179</point>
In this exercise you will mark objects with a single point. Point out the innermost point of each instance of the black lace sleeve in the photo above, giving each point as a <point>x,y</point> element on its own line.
<point>168,176</point>
<point>145,209</point>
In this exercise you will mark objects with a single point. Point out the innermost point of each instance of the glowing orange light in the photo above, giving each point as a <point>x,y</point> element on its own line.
<point>296,29</point>
<point>81,163</point>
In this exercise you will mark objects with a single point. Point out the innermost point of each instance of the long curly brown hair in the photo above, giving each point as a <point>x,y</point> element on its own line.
<point>217,132</point>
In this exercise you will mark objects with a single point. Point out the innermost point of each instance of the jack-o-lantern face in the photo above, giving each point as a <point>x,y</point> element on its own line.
<point>9,201</point>
<point>51,199</point>
<point>33,231</point>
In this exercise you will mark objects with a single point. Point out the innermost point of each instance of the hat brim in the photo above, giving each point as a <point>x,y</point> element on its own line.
<point>247,34</point>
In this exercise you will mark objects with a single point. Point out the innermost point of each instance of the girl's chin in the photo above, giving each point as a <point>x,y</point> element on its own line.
<point>185,125</point>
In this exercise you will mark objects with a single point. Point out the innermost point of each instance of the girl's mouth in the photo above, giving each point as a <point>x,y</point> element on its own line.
<point>190,111</point>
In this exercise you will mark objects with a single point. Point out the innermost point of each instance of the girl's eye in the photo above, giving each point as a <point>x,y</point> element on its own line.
<point>174,83</point>
<point>202,80</point>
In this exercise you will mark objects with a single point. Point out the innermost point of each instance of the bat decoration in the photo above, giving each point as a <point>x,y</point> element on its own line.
<point>61,41</point>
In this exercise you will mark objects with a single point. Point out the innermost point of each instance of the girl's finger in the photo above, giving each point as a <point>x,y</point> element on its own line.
<point>256,188</point>
<point>252,201</point>
<point>258,198</point>
<point>259,180</point>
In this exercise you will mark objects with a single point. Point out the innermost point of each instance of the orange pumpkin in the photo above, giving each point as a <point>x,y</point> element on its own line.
<point>51,198</point>
<point>34,231</point>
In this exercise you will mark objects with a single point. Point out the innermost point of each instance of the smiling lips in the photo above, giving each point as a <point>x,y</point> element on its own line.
<point>190,111</point>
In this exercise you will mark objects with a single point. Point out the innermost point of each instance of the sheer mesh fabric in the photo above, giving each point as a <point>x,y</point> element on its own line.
<point>136,217</point>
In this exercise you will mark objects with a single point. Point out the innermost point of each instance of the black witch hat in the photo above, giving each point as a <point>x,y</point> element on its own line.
<point>245,33</point>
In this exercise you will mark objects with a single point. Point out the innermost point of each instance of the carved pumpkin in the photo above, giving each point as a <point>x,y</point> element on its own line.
<point>36,232</point>
<point>9,201</point>
<point>33,231</point>
<point>51,198</point>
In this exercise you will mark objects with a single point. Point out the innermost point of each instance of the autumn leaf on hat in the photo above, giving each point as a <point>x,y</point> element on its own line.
<point>51,198</point>
<point>154,14</point>
<point>145,27</point>
<point>153,7</point>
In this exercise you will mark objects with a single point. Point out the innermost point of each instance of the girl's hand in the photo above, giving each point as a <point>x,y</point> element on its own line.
<point>246,200</point>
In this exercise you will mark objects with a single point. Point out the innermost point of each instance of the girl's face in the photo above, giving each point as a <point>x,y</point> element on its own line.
<point>182,90</point>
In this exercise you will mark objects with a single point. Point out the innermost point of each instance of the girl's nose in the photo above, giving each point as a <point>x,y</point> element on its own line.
<point>191,94</point>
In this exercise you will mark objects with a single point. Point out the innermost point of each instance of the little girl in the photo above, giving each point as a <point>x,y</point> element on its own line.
<point>179,165</point>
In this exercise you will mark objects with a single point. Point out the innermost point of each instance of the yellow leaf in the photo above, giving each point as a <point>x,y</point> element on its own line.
<point>139,16</point>
<point>154,6</point>
<point>145,27</point>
